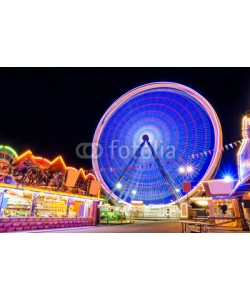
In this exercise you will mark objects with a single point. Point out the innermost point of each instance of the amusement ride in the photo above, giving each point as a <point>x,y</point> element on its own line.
<point>145,142</point>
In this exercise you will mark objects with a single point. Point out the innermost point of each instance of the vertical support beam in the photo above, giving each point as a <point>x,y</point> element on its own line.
<point>244,224</point>
<point>86,209</point>
<point>67,207</point>
<point>184,211</point>
<point>94,212</point>
<point>99,207</point>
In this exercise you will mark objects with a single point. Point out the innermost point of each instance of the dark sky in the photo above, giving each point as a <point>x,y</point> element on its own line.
<point>51,110</point>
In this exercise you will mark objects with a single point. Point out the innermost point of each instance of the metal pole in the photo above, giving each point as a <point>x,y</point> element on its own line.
<point>245,226</point>
<point>1,200</point>
<point>67,208</point>
<point>33,206</point>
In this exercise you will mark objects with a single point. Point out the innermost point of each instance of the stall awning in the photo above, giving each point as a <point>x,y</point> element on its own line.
<point>219,188</point>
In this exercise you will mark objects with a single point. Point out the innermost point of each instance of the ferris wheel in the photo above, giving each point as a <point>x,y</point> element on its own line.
<point>146,141</point>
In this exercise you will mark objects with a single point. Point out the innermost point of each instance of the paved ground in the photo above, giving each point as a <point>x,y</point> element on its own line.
<point>138,227</point>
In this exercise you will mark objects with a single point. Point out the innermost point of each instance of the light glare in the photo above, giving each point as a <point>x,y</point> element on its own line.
<point>181,170</point>
<point>190,169</point>
<point>228,178</point>
<point>119,185</point>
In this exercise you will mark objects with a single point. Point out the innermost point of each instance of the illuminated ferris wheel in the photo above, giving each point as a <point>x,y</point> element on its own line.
<point>146,141</point>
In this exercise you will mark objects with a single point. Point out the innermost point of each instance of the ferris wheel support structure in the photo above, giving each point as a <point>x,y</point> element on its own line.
<point>133,161</point>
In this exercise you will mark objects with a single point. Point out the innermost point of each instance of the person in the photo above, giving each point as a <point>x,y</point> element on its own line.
<point>6,159</point>
<point>224,209</point>
<point>58,180</point>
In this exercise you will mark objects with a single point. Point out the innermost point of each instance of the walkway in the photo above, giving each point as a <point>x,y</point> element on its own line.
<point>138,227</point>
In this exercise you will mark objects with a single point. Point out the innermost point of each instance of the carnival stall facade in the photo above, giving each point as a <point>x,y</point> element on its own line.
<point>35,187</point>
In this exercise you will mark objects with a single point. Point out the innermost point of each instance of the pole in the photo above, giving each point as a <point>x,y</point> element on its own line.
<point>67,208</point>
<point>1,202</point>
<point>244,224</point>
<point>33,206</point>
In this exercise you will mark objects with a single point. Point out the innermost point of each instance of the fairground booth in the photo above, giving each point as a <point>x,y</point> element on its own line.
<point>36,193</point>
<point>226,202</point>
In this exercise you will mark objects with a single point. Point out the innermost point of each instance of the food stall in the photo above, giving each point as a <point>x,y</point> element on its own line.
<point>221,211</point>
<point>17,201</point>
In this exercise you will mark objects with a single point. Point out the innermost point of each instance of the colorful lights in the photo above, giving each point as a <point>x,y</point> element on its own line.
<point>227,173</point>
<point>190,169</point>
<point>136,202</point>
<point>45,192</point>
<point>243,156</point>
<point>228,178</point>
<point>72,168</point>
<point>181,170</point>
<point>202,202</point>
<point>85,176</point>
<point>41,161</point>
<point>9,149</point>
<point>28,153</point>
<point>135,115</point>
<point>134,192</point>
<point>187,169</point>
<point>60,160</point>
<point>119,185</point>
<point>57,164</point>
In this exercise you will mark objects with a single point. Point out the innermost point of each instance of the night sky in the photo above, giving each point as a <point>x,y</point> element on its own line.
<point>52,110</point>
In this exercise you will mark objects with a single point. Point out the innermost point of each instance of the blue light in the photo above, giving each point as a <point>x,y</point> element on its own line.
<point>228,178</point>
<point>227,172</point>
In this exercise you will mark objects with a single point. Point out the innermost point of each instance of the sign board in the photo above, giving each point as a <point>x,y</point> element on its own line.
<point>94,187</point>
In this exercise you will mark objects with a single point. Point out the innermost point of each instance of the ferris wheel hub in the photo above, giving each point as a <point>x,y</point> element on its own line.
<point>145,137</point>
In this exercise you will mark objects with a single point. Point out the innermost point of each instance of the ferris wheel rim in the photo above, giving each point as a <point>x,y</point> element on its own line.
<point>216,156</point>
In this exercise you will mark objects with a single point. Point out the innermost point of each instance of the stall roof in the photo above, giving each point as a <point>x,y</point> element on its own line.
<point>219,188</point>
<point>58,164</point>
<point>27,154</point>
